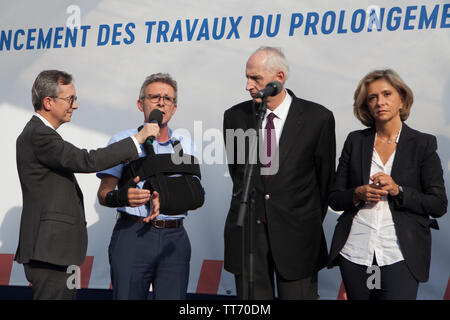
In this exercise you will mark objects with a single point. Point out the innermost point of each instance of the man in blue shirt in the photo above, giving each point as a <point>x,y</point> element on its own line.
<point>157,252</point>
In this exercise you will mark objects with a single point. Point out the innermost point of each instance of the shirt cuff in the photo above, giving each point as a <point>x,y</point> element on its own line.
<point>138,147</point>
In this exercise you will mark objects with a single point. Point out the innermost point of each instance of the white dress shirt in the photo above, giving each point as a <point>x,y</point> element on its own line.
<point>45,121</point>
<point>281,113</point>
<point>373,230</point>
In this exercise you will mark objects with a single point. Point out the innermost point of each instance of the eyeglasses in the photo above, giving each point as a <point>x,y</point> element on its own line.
<point>155,98</point>
<point>69,100</point>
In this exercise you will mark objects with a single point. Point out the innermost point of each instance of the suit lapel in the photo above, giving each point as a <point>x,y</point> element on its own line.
<point>401,153</point>
<point>39,122</point>
<point>366,155</point>
<point>251,122</point>
<point>289,137</point>
<point>291,129</point>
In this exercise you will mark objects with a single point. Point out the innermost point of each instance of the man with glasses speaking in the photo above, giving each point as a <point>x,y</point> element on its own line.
<point>156,253</point>
<point>53,234</point>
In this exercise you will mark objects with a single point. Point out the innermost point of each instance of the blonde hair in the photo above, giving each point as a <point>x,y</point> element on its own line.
<point>360,108</point>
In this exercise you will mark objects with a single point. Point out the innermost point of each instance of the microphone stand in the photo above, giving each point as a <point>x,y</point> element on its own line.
<point>246,216</point>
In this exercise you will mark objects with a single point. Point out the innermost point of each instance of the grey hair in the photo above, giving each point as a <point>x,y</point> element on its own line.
<point>47,84</point>
<point>276,60</point>
<point>159,77</point>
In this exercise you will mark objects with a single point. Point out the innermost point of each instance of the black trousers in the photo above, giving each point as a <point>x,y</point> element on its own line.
<point>265,274</point>
<point>49,281</point>
<point>396,281</point>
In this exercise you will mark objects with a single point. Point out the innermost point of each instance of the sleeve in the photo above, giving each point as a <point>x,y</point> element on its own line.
<point>115,171</point>
<point>136,143</point>
<point>58,154</point>
<point>230,153</point>
<point>325,160</point>
<point>432,199</point>
<point>341,197</point>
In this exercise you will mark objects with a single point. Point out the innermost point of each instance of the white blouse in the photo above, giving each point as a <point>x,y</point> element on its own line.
<point>373,230</point>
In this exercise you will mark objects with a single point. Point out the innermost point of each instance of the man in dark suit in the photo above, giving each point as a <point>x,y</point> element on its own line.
<point>53,232</point>
<point>291,201</point>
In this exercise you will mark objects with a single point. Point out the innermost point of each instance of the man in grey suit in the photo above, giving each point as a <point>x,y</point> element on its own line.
<point>53,232</point>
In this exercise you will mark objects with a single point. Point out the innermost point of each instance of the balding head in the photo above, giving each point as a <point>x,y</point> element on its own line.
<point>265,65</point>
<point>272,59</point>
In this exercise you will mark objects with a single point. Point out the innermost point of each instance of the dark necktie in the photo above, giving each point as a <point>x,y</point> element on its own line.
<point>271,139</point>
<point>271,144</point>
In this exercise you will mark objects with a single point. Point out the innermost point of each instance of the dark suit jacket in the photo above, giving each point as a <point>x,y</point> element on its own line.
<point>298,191</point>
<point>53,226</point>
<point>417,168</point>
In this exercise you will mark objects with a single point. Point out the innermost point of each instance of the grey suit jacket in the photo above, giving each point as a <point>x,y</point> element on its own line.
<point>53,226</point>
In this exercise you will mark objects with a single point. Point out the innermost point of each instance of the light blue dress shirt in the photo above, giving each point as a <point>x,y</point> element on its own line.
<point>166,147</point>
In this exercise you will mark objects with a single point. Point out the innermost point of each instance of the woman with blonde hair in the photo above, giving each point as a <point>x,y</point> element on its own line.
<point>389,182</point>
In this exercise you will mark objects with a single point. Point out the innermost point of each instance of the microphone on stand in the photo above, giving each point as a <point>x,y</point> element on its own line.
<point>272,89</point>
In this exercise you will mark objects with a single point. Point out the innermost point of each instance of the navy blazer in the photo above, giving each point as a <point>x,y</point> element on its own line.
<point>417,168</point>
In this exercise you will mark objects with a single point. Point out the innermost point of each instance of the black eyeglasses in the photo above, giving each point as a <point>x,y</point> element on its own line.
<point>69,100</point>
<point>155,98</point>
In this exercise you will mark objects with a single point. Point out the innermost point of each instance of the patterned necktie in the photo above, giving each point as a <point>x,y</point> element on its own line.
<point>270,139</point>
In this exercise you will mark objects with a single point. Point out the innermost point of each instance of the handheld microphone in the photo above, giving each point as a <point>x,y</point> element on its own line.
<point>272,89</point>
<point>154,117</point>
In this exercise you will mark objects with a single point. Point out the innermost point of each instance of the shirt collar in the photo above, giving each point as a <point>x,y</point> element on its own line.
<point>172,138</point>
<point>282,110</point>
<point>45,121</point>
<point>399,132</point>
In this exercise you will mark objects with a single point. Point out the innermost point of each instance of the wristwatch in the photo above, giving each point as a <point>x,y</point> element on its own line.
<point>400,193</point>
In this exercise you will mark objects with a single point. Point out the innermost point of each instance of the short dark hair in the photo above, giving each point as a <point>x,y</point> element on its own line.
<point>47,85</point>
<point>360,108</point>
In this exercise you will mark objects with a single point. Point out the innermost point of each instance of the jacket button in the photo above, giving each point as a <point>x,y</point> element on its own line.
<point>267,196</point>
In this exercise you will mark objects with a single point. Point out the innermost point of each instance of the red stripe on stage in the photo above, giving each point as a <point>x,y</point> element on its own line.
<point>6,263</point>
<point>209,280</point>
<point>86,269</point>
<point>447,292</point>
<point>342,295</point>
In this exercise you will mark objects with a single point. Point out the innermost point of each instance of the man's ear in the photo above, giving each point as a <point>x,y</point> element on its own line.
<point>281,76</point>
<point>47,103</point>
<point>140,105</point>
